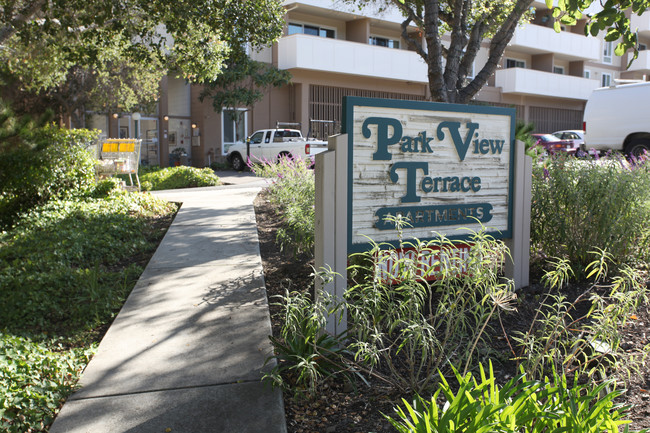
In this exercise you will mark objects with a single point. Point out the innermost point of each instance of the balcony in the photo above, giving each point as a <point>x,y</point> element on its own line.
<point>333,55</point>
<point>642,63</point>
<point>641,22</point>
<point>530,82</point>
<point>534,39</point>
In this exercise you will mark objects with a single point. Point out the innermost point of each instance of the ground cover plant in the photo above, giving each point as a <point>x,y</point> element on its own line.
<point>585,324</point>
<point>157,179</point>
<point>70,253</point>
<point>65,270</point>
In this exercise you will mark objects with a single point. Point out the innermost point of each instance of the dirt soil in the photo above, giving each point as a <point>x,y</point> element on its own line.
<point>342,409</point>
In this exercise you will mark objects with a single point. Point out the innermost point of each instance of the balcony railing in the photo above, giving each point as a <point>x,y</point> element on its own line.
<point>534,39</point>
<point>641,22</point>
<point>531,82</point>
<point>333,55</point>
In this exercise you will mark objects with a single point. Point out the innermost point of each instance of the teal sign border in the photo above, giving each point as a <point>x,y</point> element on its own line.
<point>349,104</point>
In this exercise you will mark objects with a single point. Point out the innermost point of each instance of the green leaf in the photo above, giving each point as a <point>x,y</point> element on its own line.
<point>612,35</point>
<point>593,29</point>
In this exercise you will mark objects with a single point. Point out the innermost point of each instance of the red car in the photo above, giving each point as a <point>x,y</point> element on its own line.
<point>552,144</point>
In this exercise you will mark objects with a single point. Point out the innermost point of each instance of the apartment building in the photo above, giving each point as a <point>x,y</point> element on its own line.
<point>333,49</point>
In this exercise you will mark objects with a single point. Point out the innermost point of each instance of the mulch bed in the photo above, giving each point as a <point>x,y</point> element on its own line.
<point>342,409</point>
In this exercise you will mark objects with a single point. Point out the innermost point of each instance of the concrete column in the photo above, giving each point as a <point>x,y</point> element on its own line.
<point>543,62</point>
<point>358,30</point>
<point>577,68</point>
<point>302,105</point>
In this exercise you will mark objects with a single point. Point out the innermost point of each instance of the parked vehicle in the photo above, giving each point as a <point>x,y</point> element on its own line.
<point>272,145</point>
<point>576,136</point>
<point>616,119</point>
<point>553,144</point>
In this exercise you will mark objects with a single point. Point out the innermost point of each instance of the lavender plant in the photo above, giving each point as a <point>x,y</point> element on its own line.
<point>291,188</point>
<point>582,204</point>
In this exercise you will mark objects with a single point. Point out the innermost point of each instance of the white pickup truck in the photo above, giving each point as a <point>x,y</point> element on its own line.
<point>273,144</point>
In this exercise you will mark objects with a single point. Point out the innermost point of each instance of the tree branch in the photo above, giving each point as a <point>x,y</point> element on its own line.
<point>412,42</point>
<point>497,47</point>
<point>472,49</point>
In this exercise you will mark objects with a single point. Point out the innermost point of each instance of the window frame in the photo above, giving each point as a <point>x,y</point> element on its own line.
<point>516,61</point>
<point>389,42</point>
<point>609,79</point>
<point>558,70</point>
<point>608,50</point>
<point>315,26</point>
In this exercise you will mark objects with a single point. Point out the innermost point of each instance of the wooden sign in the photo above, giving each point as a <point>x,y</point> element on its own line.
<point>445,168</point>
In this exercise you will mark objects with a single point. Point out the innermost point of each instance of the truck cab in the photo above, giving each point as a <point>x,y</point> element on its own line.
<point>268,145</point>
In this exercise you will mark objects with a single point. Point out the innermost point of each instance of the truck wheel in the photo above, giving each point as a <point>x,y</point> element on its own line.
<point>237,162</point>
<point>284,155</point>
<point>637,147</point>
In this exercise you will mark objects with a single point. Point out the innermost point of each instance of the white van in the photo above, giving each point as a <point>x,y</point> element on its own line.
<point>617,118</point>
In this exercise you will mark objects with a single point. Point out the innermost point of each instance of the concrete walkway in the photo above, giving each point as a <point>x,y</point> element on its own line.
<point>186,351</point>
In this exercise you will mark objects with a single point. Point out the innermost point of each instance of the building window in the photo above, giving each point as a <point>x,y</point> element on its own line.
<point>514,63</point>
<point>383,42</point>
<point>607,52</point>
<point>587,73</point>
<point>311,30</point>
<point>642,47</point>
<point>558,70</point>
<point>233,127</point>
<point>606,80</point>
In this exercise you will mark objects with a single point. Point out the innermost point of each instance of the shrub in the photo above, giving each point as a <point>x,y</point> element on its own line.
<point>410,327</point>
<point>582,204</point>
<point>106,187</point>
<point>583,336</point>
<point>304,354</point>
<point>57,166</point>
<point>403,329</point>
<point>178,177</point>
<point>292,190</point>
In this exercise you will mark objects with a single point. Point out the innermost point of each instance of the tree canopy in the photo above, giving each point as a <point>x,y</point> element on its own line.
<point>468,23</point>
<point>58,48</point>
<point>242,82</point>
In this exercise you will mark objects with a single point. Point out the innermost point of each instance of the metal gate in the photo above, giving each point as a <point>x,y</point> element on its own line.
<point>325,103</point>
